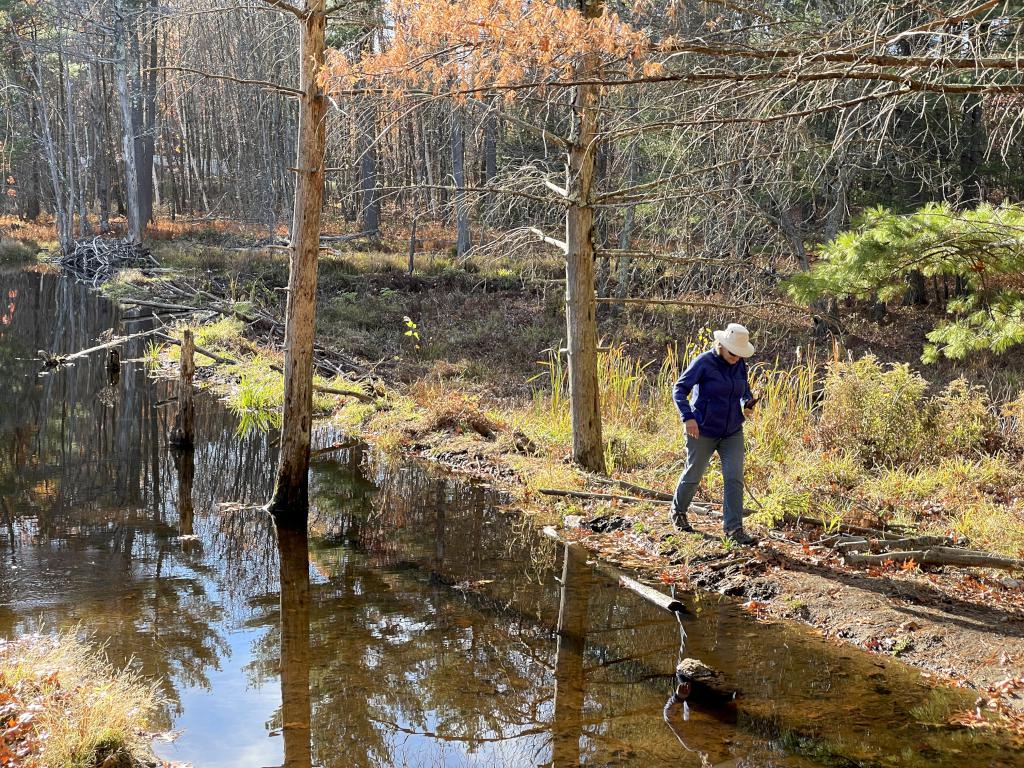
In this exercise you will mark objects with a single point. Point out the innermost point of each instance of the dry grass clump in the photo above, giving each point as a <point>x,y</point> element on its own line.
<point>63,706</point>
<point>16,251</point>
<point>449,410</point>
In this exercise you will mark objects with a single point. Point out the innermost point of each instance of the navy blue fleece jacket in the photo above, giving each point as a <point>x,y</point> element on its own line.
<point>719,392</point>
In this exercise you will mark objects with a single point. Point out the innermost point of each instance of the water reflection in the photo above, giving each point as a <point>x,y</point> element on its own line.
<point>570,691</point>
<point>416,624</point>
<point>293,553</point>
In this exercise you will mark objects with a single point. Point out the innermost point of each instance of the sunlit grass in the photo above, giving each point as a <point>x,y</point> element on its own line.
<point>60,699</point>
<point>795,463</point>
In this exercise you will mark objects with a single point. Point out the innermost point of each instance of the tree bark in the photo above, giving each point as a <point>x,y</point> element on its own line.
<point>291,495</point>
<point>369,208</point>
<point>459,175</point>
<point>131,177</point>
<point>580,306</point>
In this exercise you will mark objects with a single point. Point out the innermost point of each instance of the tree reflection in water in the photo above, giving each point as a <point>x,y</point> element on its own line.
<point>570,688</point>
<point>417,624</point>
<point>293,554</point>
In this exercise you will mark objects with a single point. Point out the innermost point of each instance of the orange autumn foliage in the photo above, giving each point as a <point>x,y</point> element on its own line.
<point>464,46</point>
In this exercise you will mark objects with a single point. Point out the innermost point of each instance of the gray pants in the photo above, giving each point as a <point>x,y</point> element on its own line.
<point>698,455</point>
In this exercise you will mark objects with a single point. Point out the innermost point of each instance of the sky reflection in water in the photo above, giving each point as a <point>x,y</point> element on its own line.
<point>418,623</point>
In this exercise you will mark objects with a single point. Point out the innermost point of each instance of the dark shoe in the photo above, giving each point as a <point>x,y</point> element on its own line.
<point>741,537</point>
<point>681,523</point>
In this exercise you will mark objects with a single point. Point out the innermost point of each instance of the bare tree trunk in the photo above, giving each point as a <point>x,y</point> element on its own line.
<point>428,171</point>
<point>490,152</point>
<point>131,180</point>
<point>64,234</point>
<point>972,142</point>
<point>626,233</point>
<point>146,137</point>
<point>459,176</point>
<point>183,433</point>
<point>580,307</point>
<point>369,207</point>
<point>102,159</point>
<point>291,496</point>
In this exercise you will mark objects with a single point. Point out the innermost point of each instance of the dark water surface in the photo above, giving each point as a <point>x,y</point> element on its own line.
<point>415,626</point>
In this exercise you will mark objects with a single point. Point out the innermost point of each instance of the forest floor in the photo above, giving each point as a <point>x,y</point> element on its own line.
<point>466,373</point>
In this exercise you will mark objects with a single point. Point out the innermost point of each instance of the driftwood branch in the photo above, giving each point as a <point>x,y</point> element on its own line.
<point>54,361</point>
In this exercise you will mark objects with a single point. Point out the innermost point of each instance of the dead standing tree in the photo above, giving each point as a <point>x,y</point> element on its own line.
<point>477,47</point>
<point>291,493</point>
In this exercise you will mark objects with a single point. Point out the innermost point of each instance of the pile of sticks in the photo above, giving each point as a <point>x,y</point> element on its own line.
<point>96,260</point>
<point>179,298</point>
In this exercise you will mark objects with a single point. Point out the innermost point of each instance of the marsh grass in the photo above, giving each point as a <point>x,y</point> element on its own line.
<point>17,251</point>
<point>62,701</point>
<point>841,440</point>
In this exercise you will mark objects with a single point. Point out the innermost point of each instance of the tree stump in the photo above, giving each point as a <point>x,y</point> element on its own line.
<point>184,422</point>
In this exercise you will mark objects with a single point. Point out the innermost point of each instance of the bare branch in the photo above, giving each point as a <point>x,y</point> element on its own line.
<point>559,244</point>
<point>282,89</point>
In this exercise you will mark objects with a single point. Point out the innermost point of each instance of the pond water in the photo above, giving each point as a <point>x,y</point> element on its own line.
<point>415,625</point>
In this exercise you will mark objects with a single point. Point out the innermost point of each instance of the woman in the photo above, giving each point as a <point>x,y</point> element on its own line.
<point>714,422</point>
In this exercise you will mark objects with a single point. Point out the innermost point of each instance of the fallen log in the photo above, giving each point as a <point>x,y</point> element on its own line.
<point>649,594</point>
<point>357,394</point>
<point>898,532</point>
<point>966,558</point>
<point>362,396</point>
<point>637,489</point>
<point>53,361</point>
<point>162,305</point>
<point>342,446</point>
<point>591,495</point>
<point>201,350</point>
<point>887,545</point>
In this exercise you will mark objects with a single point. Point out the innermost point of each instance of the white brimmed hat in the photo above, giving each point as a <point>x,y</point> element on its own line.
<point>735,338</point>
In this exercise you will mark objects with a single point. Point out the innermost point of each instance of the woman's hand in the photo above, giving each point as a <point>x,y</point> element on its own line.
<point>692,430</point>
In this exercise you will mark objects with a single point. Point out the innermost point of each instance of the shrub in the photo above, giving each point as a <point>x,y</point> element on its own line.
<point>1012,418</point>
<point>962,420</point>
<point>874,413</point>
